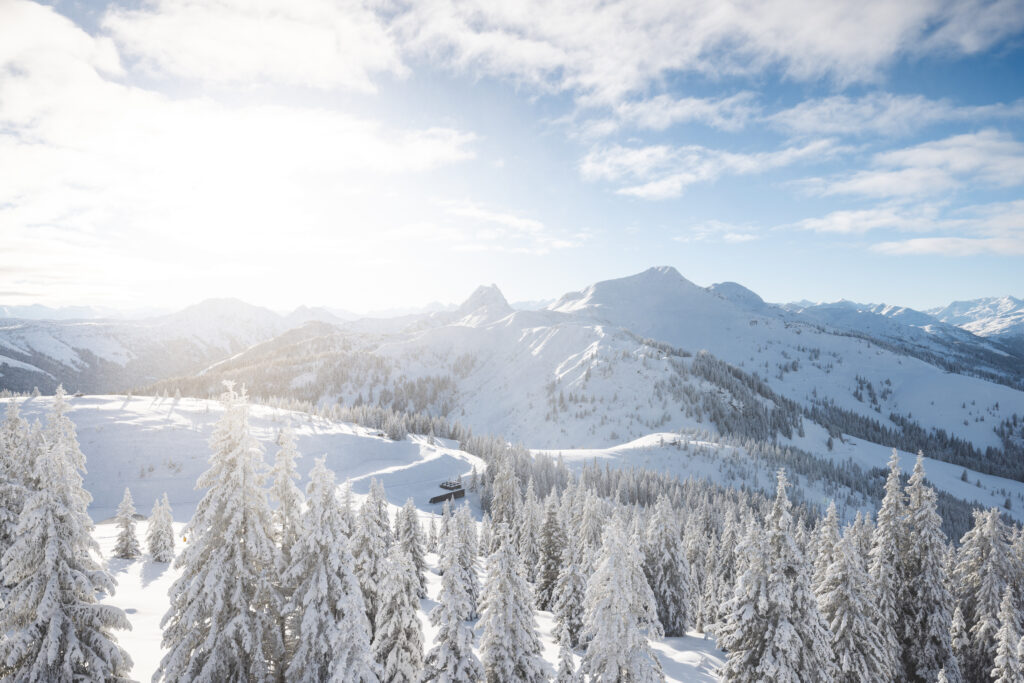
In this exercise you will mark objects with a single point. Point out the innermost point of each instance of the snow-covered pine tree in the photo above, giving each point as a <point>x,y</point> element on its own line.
<point>127,545</point>
<point>566,670</point>
<point>410,536</point>
<point>773,629</point>
<point>959,639</point>
<point>667,570</point>
<point>14,458</point>
<point>1008,667</point>
<point>326,614</point>
<point>885,562</point>
<point>452,659</point>
<point>926,599</point>
<point>552,548</point>
<point>591,525</point>
<point>432,535</point>
<point>509,647</point>
<point>370,543</point>
<point>980,576</point>
<point>460,555</point>
<point>825,538</point>
<point>224,618</point>
<point>55,629</point>
<point>398,636</point>
<point>526,532</point>
<point>847,601</point>
<point>486,535</point>
<point>620,614</point>
<point>505,498</point>
<point>160,532</point>
<point>288,513</point>
<point>570,591</point>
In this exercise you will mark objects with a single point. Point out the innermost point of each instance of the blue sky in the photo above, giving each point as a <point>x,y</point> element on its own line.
<point>389,153</point>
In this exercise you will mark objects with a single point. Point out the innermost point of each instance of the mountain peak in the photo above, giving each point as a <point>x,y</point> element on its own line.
<point>485,297</point>
<point>738,294</point>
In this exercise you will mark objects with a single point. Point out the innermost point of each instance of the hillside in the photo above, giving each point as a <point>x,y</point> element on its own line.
<point>153,445</point>
<point>622,359</point>
<point>98,356</point>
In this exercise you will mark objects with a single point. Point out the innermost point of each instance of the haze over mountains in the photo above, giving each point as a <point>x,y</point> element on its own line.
<point>615,361</point>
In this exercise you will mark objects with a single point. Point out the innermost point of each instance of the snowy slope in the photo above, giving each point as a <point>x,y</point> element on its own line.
<point>690,455</point>
<point>578,373</point>
<point>117,355</point>
<point>154,445</point>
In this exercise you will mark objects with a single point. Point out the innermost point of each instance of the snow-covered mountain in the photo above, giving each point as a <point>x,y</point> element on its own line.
<point>622,359</point>
<point>616,361</point>
<point>999,317</point>
<point>116,355</point>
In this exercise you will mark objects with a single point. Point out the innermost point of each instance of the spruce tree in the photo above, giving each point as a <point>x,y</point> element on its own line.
<point>1008,668</point>
<point>160,531</point>
<point>410,536</point>
<point>288,513</point>
<point>14,459</point>
<point>505,498</point>
<point>459,556</point>
<point>552,547</point>
<point>773,629</point>
<point>223,623</point>
<point>959,639</point>
<point>526,532</point>
<point>127,545</point>
<point>370,543</point>
<point>570,591</point>
<point>667,570</point>
<point>566,662</point>
<point>398,636</point>
<point>982,572</point>
<point>326,614</point>
<point>509,647</point>
<point>849,606</point>
<point>432,535</point>
<point>826,538</point>
<point>926,599</point>
<point>620,615</point>
<point>887,542</point>
<point>451,659</point>
<point>55,629</point>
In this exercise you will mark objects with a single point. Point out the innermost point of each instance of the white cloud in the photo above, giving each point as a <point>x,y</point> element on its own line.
<point>116,184</point>
<point>986,228</point>
<point>860,221</point>
<point>955,246</point>
<point>718,231</point>
<point>473,227</point>
<point>603,51</point>
<point>314,43</point>
<point>662,172</point>
<point>989,158</point>
<point>663,111</point>
<point>881,113</point>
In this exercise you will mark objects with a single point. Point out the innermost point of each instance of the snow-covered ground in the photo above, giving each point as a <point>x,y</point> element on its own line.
<point>154,445</point>
<point>142,587</point>
<point>684,457</point>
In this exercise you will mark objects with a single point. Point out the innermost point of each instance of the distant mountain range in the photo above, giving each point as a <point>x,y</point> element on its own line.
<point>615,361</point>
